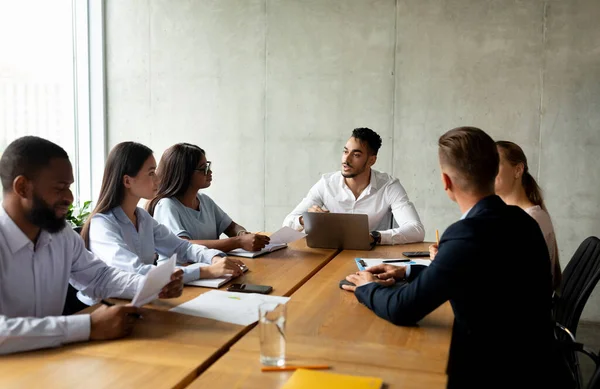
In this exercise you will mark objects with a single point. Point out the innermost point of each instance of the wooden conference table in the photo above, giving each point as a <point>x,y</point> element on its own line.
<point>328,326</point>
<point>325,325</point>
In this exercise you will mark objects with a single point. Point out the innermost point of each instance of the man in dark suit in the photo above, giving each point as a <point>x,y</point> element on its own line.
<point>494,268</point>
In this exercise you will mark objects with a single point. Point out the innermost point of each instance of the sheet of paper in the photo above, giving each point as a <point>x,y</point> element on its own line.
<point>230,307</point>
<point>378,261</point>
<point>154,281</point>
<point>286,235</point>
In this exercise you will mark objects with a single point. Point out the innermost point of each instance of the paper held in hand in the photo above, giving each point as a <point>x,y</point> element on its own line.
<point>154,281</point>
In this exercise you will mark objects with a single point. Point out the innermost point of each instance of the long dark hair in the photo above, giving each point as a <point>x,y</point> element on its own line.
<point>514,154</point>
<point>125,159</point>
<point>175,171</point>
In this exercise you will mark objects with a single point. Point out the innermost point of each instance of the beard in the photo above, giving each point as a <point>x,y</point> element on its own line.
<point>355,173</point>
<point>43,216</point>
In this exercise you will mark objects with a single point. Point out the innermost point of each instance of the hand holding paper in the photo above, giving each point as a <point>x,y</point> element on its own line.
<point>153,283</point>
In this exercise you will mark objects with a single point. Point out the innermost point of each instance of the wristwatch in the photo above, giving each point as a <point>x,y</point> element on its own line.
<point>376,238</point>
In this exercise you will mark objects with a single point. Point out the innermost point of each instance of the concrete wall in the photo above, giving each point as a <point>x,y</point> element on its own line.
<point>272,89</point>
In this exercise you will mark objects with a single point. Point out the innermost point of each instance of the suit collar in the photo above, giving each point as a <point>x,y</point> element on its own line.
<point>489,202</point>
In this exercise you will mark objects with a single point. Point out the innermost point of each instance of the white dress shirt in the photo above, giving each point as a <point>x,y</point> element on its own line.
<point>116,241</point>
<point>384,200</point>
<point>34,281</point>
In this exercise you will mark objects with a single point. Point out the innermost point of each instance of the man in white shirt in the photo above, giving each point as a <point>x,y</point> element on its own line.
<point>362,190</point>
<point>39,256</point>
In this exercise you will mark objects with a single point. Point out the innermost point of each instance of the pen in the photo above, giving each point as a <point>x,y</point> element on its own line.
<point>109,304</point>
<point>437,237</point>
<point>396,260</point>
<point>288,368</point>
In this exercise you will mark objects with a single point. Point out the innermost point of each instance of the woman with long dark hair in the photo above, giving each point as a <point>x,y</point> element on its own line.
<point>127,237</point>
<point>183,171</point>
<point>516,186</point>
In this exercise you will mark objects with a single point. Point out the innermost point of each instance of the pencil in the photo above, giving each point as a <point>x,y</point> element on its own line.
<point>289,368</point>
<point>437,237</point>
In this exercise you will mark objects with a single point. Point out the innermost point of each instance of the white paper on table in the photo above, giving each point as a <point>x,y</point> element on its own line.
<point>154,281</point>
<point>230,307</point>
<point>285,235</point>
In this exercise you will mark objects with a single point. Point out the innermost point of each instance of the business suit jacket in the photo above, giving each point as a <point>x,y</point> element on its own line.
<point>494,268</point>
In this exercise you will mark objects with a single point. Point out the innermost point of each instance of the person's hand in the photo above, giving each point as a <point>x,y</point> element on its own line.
<point>317,209</point>
<point>364,277</point>
<point>433,250</point>
<point>222,266</point>
<point>112,322</point>
<point>253,242</point>
<point>314,208</point>
<point>385,272</point>
<point>174,288</point>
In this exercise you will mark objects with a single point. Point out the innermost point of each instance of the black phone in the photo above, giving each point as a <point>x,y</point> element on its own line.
<point>416,254</point>
<point>346,282</point>
<point>248,288</point>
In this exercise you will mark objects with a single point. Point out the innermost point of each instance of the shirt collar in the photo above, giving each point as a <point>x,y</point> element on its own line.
<point>464,215</point>
<point>122,217</point>
<point>15,237</point>
<point>373,184</point>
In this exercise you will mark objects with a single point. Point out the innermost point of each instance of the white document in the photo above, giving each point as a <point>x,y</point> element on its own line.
<point>230,307</point>
<point>211,282</point>
<point>154,281</point>
<point>285,235</point>
<point>378,261</point>
<point>279,240</point>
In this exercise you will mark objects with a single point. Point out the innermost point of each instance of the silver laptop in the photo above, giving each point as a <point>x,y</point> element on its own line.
<point>344,231</point>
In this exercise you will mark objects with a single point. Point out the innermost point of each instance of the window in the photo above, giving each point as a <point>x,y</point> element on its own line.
<point>51,80</point>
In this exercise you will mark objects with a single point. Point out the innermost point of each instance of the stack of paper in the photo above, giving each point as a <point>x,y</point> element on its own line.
<point>279,240</point>
<point>310,379</point>
<point>378,261</point>
<point>230,307</point>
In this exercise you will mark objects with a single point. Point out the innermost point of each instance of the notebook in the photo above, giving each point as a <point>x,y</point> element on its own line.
<point>311,379</point>
<point>212,282</point>
<point>252,254</point>
<point>279,240</point>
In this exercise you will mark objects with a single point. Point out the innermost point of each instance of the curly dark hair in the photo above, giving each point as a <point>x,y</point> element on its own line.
<point>369,136</point>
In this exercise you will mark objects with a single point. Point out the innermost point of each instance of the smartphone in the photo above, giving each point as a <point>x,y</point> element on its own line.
<point>416,254</point>
<point>248,288</point>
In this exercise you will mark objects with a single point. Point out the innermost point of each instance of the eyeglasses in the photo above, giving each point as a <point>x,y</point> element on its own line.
<point>205,169</point>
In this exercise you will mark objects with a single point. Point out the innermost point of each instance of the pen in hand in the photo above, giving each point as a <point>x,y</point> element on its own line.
<point>109,304</point>
<point>396,260</point>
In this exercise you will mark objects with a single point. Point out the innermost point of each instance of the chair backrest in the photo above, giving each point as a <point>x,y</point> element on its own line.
<point>579,280</point>
<point>594,382</point>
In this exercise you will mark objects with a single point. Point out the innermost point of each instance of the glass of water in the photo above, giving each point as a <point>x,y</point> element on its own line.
<point>271,326</point>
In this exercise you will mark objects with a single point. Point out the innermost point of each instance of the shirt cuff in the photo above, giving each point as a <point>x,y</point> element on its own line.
<point>407,273</point>
<point>191,273</point>
<point>78,328</point>
<point>211,253</point>
<point>386,237</point>
<point>370,282</point>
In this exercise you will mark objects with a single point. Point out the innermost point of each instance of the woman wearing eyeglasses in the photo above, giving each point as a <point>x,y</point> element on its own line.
<point>183,171</point>
<point>127,237</point>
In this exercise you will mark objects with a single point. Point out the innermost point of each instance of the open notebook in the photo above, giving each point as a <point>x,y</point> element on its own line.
<point>279,240</point>
<point>212,282</point>
<point>310,379</point>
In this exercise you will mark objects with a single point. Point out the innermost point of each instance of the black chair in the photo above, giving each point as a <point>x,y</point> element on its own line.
<point>579,280</point>
<point>595,380</point>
